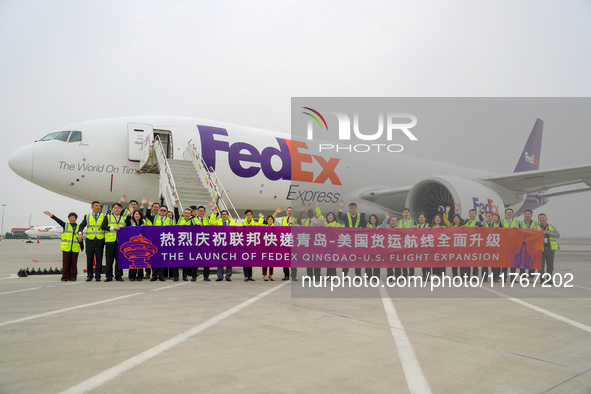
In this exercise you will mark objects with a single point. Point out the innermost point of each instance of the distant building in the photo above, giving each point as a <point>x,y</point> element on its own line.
<point>19,232</point>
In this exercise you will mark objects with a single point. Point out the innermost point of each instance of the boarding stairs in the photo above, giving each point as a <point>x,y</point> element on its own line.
<point>188,179</point>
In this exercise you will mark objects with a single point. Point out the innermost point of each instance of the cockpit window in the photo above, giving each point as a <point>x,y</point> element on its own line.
<point>49,136</point>
<point>76,136</point>
<point>63,136</point>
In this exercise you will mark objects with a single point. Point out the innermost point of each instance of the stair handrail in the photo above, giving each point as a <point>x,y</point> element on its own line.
<point>170,196</point>
<point>211,181</point>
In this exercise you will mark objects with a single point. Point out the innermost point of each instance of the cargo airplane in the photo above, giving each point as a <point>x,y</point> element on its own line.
<point>261,170</point>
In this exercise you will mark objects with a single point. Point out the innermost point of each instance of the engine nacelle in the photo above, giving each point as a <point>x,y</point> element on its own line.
<point>431,195</point>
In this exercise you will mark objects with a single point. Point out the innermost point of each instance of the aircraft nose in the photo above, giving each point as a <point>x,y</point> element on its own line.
<point>21,162</point>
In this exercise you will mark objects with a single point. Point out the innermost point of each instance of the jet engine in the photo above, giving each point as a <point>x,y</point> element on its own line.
<point>432,195</point>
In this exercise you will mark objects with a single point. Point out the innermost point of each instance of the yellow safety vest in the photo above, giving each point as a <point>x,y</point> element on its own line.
<point>220,222</point>
<point>553,243</point>
<point>514,223</point>
<point>158,221</point>
<point>147,222</point>
<point>533,225</point>
<point>470,223</point>
<point>111,235</point>
<point>93,227</point>
<point>252,223</point>
<point>70,239</point>
<point>286,221</point>
<point>350,220</point>
<point>185,222</point>
<point>409,224</point>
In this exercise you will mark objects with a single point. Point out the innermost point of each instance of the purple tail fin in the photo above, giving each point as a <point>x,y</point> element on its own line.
<point>530,157</point>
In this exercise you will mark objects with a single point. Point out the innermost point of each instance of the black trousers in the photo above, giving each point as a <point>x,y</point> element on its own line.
<point>548,261</point>
<point>111,250</point>
<point>94,251</point>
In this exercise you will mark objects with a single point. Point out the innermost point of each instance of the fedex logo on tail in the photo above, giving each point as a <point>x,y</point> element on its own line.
<point>487,206</point>
<point>247,161</point>
<point>532,159</point>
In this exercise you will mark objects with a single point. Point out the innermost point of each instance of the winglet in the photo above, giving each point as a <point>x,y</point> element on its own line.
<point>530,157</point>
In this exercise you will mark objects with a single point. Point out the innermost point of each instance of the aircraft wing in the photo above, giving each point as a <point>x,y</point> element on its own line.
<point>533,181</point>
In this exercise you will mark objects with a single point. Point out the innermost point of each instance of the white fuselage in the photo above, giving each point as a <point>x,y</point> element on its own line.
<point>255,166</point>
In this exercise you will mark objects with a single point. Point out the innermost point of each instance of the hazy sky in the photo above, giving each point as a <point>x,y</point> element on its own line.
<point>241,62</point>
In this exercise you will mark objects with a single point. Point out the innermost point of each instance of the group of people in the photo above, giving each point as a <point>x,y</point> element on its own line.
<point>101,235</point>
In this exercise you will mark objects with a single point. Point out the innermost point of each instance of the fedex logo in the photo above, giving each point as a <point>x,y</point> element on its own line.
<point>488,206</point>
<point>532,159</point>
<point>246,161</point>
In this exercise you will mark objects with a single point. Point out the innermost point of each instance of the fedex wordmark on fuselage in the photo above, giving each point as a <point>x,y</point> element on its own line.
<point>246,161</point>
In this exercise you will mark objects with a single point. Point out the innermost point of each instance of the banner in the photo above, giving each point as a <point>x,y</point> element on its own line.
<point>275,246</point>
<point>417,247</point>
<point>204,246</point>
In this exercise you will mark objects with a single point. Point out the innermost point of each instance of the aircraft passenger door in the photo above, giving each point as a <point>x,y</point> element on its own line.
<point>140,136</point>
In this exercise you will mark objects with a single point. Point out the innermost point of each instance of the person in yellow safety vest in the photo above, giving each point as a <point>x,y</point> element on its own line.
<point>352,219</point>
<point>113,222</point>
<point>201,219</point>
<point>330,219</point>
<point>131,207</point>
<point>224,220</point>
<point>529,224</point>
<point>269,221</point>
<point>496,271</point>
<point>308,222</point>
<point>95,241</point>
<point>287,220</point>
<point>550,245</point>
<point>406,222</point>
<point>186,220</point>
<point>471,222</point>
<point>373,221</point>
<point>160,219</point>
<point>422,223</point>
<point>136,219</point>
<point>249,221</point>
<point>70,246</point>
<point>509,222</point>
<point>390,222</point>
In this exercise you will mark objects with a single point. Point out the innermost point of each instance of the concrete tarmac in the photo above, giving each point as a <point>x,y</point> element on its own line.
<point>139,337</point>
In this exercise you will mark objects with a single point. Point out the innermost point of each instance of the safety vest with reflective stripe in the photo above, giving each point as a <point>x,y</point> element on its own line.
<point>514,223</point>
<point>186,222</point>
<point>251,223</point>
<point>491,224</point>
<point>286,221</point>
<point>158,221</point>
<point>93,227</point>
<point>205,221</point>
<point>147,222</point>
<point>426,225</point>
<point>533,225</point>
<point>470,223</point>
<point>409,224</point>
<point>220,222</point>
<point>70,239</point>
<point>553,243</point>
<point>350,220</point>
<point>111,235</point>
<point>319,215</point>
